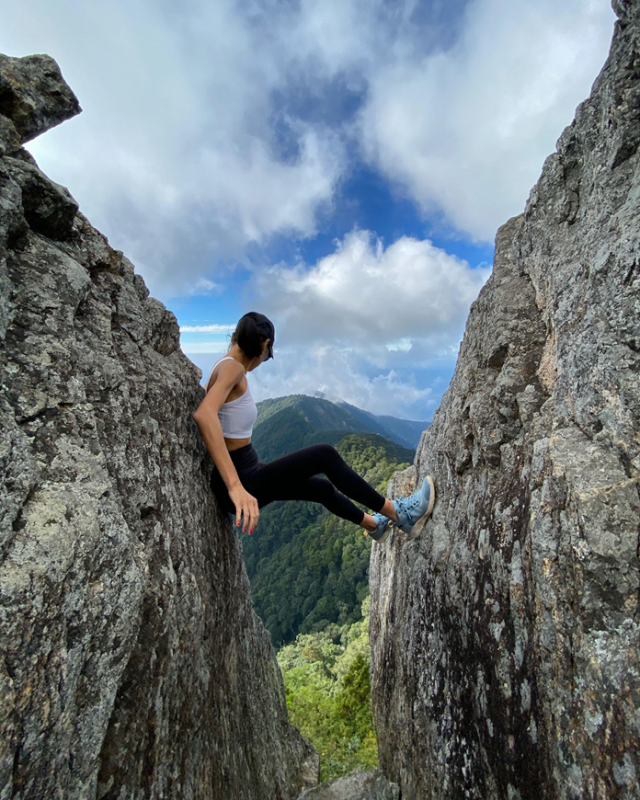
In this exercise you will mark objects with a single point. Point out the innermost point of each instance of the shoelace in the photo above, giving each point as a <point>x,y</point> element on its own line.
<point>408,505</point>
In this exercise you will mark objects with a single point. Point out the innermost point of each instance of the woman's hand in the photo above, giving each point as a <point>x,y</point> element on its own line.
<point>247,505</point>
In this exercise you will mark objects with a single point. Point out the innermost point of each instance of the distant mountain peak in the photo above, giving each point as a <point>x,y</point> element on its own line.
<point>324,413</point>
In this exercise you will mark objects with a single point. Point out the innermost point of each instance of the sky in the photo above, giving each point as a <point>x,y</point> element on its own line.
<point>341,166</point>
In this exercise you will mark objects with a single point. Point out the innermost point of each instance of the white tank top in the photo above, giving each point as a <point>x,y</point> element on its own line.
<point>238,416</point>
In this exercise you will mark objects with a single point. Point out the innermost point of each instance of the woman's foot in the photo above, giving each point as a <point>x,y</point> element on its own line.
<point>389,510</point>
<point>379,533</point>
<point>415,510</point>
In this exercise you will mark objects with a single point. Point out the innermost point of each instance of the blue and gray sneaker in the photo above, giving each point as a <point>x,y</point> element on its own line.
<point>415,510</point>
<point>381,533</point>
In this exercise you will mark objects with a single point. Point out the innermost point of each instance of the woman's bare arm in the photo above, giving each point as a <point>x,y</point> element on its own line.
<point>206,417</point>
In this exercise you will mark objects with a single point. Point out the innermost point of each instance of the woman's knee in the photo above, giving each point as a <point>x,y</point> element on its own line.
<point>323,489</point>
<point>327,453</point>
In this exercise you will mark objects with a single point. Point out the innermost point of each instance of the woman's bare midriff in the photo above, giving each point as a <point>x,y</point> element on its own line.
<point>236,444</point>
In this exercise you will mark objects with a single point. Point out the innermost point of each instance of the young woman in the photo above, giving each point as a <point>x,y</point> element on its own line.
<point>243,485</point>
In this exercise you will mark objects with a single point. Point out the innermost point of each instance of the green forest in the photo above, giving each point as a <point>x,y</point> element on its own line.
<point>310,583</point>
<point>308,568</point>
<point>326,678</point>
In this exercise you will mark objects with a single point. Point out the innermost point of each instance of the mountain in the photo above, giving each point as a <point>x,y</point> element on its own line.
<point>404,431</point>
<point>289,423</point>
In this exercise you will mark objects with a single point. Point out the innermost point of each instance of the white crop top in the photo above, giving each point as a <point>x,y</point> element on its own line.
<point>238,416</point>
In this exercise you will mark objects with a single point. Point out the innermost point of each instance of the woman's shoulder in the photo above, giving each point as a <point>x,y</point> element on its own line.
<point>228,366</point>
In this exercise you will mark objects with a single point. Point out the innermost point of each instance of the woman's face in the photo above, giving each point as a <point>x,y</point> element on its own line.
<point>265,351</point>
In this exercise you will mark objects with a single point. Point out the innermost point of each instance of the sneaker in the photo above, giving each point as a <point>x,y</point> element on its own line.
<point>415,510</point>
<point>381,533</point>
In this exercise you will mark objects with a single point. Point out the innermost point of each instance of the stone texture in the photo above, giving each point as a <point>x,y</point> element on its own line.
<point>34,96</point>
<point>359,785</point>
<point>132,663</point>
<point>48,208</point>
<point>505,639</point>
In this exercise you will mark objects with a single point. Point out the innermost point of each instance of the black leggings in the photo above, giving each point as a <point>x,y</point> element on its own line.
<point>295,477</point>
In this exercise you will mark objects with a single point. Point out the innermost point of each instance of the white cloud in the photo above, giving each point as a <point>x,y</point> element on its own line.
<point>204,286</point>
<point>178,156</point>
<point>466,131</point>
<point>363,324</point>
<point>338,374</point>
<point>174,155</point>
<point>359,324</point>
<point>204,347</point>
<point>367,297</point>
<point>214,328</point>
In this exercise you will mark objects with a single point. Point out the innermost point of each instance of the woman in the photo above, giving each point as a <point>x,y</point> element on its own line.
<point>225,419</point>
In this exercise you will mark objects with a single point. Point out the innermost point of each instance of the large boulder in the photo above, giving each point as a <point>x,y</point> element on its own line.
<point>33,95</point>
<point>505,639</point>
<point>132,662</point>
<point>358,785</point>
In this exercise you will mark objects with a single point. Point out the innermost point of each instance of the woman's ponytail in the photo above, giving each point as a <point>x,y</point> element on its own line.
<point>251,331</point>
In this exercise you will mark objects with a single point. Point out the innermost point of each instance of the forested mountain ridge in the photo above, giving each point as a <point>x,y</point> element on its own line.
<point>404,431</point>
<point>298,420</point>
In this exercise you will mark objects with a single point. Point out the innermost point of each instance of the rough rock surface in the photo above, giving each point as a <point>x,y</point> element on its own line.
<point>359,785</point>
<point>505,639</point>
<point>132,662</point>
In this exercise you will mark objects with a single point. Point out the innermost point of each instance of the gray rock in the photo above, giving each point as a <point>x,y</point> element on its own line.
<point>359,785</point>
<point>132,662</point>
<point>33,95</point>
<point>48,208</point>
<point>9,136</point>
<point>505,639</point>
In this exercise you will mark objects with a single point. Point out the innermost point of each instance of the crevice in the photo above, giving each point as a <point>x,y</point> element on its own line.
<point>26,420</point>
<point>628,279</point>
<point>147,511</point>
<point>498,357</point>
<point>637,611</point>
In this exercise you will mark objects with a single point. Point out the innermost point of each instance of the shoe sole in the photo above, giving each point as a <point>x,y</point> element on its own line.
<point>418,527</point>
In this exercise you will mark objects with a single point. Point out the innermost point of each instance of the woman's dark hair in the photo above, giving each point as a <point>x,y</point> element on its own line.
<point>253,329</point>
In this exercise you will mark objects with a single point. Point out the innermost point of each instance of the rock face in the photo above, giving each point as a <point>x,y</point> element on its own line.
<point>505,639</point>
<point>359,785</point>
<point>132,662</point>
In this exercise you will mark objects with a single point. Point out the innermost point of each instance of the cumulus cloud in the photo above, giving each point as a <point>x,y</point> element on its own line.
<point>367,324</point>
<point>175,156</point>
<point>466,131</point>
<point>361,323</point>
<point>218,125</point>
<point>339,375</point>
<point>204,286</point>
<point>367,296</point>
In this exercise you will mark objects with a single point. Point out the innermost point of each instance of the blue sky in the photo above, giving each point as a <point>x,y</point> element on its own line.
<point>340,166</point>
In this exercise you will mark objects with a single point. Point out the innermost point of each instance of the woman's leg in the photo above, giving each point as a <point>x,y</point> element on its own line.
<point>281,480</point>
<point>315,490</point>
<point>298,467</point>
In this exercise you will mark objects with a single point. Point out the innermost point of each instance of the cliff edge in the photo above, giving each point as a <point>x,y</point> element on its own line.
<point>506,638</point>
<point>132,662</point>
